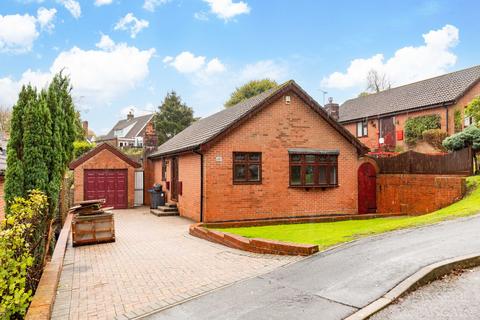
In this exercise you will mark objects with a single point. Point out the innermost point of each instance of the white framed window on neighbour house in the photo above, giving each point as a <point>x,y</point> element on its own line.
<point>362,128</point>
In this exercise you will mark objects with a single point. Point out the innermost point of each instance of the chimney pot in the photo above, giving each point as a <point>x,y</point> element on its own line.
<point>332,109</point>
<point>130,115</point>
<point>85,127</point>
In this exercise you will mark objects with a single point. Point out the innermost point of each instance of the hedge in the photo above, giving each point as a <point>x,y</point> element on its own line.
<point>414,127</point>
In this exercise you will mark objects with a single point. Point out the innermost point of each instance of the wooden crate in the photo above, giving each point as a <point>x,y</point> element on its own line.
<point>93,229</point>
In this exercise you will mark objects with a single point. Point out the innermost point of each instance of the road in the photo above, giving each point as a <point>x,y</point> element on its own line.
<point>454,297</point>
<point>335,283</point>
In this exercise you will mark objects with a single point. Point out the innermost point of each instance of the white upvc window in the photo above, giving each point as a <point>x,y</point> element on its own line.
<point>362,128</point>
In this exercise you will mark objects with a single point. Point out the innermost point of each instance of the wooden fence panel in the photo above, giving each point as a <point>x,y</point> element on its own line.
<point>411,162</point>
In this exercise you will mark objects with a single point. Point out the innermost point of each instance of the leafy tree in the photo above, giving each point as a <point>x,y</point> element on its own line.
<point>414,127</point>
<point>249,90</point>
<point>82,147</point>
<point>172,117</point>
<point>473,110</point>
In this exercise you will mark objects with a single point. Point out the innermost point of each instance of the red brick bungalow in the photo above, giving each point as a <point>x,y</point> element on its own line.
<point>278,154</point>
<point>383,115</point>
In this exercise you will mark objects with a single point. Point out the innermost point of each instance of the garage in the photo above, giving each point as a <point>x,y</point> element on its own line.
<point>110,185</point>
<point>105,172</point>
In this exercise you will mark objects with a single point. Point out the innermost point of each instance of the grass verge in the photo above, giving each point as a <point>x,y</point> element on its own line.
<point>331,233</point>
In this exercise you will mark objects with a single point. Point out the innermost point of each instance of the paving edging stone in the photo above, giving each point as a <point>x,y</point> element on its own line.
<point>44,298</point>
<point>255,245</point>
<point>416,280</point>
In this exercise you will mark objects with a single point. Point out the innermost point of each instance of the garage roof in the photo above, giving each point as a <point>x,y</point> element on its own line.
<point>103,146</point>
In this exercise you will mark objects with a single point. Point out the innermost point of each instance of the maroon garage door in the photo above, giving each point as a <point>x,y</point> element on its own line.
<point>110,185</point>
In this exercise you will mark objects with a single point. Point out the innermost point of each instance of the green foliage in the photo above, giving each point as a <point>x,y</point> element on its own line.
<point>133,151</point>
<point>81,147</point>
<point>414,127</point>
<point>20,262</point>
<point>468,137</point>
<point>457,121</point>
<point>249,90</point>
<point>473,110</point>
<point>172,117</point>
<point>435,138</point>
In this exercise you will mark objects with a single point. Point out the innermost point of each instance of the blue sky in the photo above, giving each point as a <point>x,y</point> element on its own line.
<point>128,54</point>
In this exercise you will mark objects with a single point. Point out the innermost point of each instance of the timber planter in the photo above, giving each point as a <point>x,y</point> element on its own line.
<point>93,229</point>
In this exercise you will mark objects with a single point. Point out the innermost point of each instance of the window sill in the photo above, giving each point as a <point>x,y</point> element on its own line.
<point>314,187</point>
<point>246,182</point>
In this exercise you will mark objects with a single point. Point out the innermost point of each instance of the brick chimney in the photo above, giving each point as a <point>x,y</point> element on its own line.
<point>332,109</point>
<point>130,115</point>
<point>85,128</point>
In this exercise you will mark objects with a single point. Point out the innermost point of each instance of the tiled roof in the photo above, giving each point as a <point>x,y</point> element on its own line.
<point>434,91</point>
<point>138,125</point>
<point>204,130</point>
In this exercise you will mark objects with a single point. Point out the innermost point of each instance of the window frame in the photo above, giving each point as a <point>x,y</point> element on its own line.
<point>329,165</point>
<point>247,162</point>
<point>364,124</point>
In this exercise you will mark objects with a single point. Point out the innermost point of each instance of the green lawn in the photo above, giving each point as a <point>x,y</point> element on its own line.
<point>331,233</point>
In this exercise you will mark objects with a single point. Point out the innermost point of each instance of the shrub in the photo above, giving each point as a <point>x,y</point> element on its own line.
<point>473,109</point>
<point>457,121</point>
<point>81,147</point>
<point>21,258</point>
<point>414,127</point>
<point>468,137</point>
<point>435,137</point>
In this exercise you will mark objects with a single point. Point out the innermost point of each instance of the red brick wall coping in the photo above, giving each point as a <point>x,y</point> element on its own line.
<point>252,245</point>
<point>294,220</point>
<point>42,303</point>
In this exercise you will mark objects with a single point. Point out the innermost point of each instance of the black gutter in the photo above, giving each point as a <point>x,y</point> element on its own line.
<point>201,183</point>
<point>446,117</point>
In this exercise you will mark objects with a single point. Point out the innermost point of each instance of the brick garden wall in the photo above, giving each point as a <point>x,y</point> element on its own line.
<point>104,160</point>
<point>273,131</point>
<point>417,193</point>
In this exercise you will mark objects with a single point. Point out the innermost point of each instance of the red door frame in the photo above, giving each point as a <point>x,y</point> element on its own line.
<point>367,188</point>
<point>124,205</point>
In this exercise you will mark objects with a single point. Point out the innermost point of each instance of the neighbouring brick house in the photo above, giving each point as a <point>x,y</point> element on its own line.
<point>130,132</point>
<point>278,154</point>
<point>383,114</point>
<point>105,173</point>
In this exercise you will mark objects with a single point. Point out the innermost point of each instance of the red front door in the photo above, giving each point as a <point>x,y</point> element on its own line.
<point>387,132</point>
<point>174,174</point>
<point>110,185</point>
<point>367,189</point>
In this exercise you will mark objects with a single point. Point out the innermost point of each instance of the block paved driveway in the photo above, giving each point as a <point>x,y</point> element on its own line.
<point>154,263</point>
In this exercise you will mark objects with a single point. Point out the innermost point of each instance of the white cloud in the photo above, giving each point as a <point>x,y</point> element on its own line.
<point>264,69</point>
<point>408,64</point>
<point>17,33</point>
<point>202,16</point>
<point>73,7</point>
<point>98,76</point>
<point>99,3</point>
<point>131,23</point>
<point>186,62</point>
<point>227,9</point>
<point>105,43</point>
<point>151,5</point>
<point>45,18</point>
<point>215,66</point>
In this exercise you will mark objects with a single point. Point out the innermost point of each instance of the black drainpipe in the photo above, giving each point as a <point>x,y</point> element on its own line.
<point>201,183</point>
<point>446,117</point>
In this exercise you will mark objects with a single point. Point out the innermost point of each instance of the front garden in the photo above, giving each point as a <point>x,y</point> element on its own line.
<point>331,233</point>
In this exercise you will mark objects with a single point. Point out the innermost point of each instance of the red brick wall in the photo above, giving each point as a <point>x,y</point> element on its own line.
<point>372,140</point>
<point>104,160</point>
<point>189,175</point>
<point>272,131</point>
<point>417,193</point>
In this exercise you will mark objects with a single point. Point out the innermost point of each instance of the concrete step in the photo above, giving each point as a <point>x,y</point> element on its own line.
<point>167,209</point>
<point>160,213</point>
<point>171,204</point>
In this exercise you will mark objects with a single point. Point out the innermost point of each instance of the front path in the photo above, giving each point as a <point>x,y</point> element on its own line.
<point>338,282</point>
<point>153,263</point>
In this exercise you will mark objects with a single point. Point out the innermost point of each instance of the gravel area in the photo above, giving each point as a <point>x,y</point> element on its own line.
<point>455,296</point>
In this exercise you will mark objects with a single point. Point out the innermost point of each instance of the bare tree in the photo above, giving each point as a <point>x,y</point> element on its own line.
<point>377,82</point>
<point>5,116</point>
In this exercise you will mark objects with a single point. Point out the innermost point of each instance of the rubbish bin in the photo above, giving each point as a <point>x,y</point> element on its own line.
<point>157,197</point>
